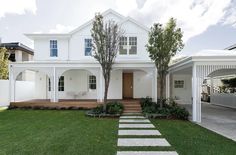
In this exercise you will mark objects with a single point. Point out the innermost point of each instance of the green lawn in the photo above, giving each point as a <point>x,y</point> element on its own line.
<point>188,138</point>
<point>33,132</point>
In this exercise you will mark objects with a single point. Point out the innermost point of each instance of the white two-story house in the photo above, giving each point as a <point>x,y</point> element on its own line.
<point>65,69</point>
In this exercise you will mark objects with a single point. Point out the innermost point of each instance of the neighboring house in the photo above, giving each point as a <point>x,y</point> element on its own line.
<point>65,68</point>
<point>19,53</point>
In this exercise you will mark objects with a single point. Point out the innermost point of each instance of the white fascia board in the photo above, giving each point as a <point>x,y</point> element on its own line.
<point>91,20</point>
<point>135,22</point>
<point>47,35</point>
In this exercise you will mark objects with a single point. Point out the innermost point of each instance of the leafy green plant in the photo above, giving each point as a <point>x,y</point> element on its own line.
<point>170,108</point>
<point>97,110</point>
<point>114,108</point>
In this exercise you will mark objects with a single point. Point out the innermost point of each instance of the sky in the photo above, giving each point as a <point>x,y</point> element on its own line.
<point>207,24</point>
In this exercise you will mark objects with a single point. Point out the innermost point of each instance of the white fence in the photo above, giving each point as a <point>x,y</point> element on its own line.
<point>223,99</point>
<point>24,91</point>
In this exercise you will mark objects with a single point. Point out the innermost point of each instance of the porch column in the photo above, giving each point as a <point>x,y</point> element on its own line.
<point>11,84</point>
<point>55,86</point>
<point>168,85</point>
<point>154,85</point>
<point>196,96</point>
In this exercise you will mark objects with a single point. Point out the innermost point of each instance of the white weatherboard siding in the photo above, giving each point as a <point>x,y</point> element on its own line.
<point>75,66</point>
<point>41,86</point>
<point>142,84</point>
<point>42,49</point>
<point>185,93</point>
<point>76,81</point>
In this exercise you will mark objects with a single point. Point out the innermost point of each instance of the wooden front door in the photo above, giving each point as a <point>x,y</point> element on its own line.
<point>127,85</point>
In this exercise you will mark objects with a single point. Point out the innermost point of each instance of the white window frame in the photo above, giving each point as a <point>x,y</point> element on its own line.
<point>85,46</point>
<point>92,83</point>
<point>53,46</point>
<point>61,88</point>
<point>183,85</point>
<point>128,46</point>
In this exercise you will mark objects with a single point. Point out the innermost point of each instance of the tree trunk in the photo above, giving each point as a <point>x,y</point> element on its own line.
<point>161,90</point>
<point>107,81</point>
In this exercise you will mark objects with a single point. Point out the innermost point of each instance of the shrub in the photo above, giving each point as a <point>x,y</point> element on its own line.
<point>145,102</point>
<point>97,110</point>
<point>170,108</point>
<point>179,112</point>
<point>114,108</point>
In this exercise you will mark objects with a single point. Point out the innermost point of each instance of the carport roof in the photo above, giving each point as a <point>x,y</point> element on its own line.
<point>206,56</point>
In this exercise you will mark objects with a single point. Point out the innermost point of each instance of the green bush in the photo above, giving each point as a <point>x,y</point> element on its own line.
<point>179,112</point>
<point>97,110</point>
<point>114,108</point>
<point>145,102</point>
<point>170,108</point>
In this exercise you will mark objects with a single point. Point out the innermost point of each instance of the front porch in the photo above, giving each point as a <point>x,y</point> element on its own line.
<point>130,105</point>
<point>66,83</point>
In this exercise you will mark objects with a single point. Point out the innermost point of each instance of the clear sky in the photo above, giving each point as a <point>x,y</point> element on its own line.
<point>207,24</point>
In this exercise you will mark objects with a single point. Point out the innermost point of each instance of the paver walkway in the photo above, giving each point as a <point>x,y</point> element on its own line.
<point>140,133</point>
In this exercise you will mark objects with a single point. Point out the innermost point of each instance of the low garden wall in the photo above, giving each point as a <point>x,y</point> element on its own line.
<point>223,99</point>
<point>24,91</point>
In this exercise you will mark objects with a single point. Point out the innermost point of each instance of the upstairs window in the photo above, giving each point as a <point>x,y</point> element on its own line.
<point>88,47</point>
<point>53,48</point>
<point>61,84</point>
<point>92,82</point>
<point>123,45</point>
<point>132,45</point>
<point>128,46</point>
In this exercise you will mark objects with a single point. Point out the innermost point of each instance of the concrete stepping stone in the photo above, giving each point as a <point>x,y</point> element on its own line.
<point>142,142</point>
<point>136,126</point>
<point>134,121</point>
<point>131,117</point>
<point>147,153</point>
<point>139,132</point>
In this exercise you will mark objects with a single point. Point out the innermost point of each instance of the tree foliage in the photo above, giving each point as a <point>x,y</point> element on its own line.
<point>105,46</point>
<point>163,43</point>
<point>4,63</point>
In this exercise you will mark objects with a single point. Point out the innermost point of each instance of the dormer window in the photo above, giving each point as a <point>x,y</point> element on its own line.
<point>53,48</point>
<point>128,46</point>
<point>88,47</point>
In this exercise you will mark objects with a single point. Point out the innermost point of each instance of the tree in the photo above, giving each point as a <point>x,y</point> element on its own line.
<point>4,63</point>
<point>164,43</point>
<point>105,46</point>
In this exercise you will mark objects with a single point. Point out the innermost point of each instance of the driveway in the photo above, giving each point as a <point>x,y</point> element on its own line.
<point>218,119</point>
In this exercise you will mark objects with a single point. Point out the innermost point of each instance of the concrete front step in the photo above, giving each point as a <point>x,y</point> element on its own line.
<point>131,117</point>
<point>132,111</point>
<point>136,126</point>
<point>132,114</point>
<point>134,121</point>
<point>139,132</point>
<point>142,142</point>
<point>146,153</point>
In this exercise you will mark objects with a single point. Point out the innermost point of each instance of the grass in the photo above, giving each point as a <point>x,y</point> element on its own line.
<point>35,132</point>
<point>188,138</point>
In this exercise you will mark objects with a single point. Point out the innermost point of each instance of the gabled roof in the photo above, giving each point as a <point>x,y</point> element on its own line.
<point>109,11</point>
<point>232,47</point>
<point>67,35</point>
<point>135,22</point>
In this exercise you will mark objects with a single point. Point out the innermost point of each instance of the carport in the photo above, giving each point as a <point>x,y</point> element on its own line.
<point>185,78</point>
